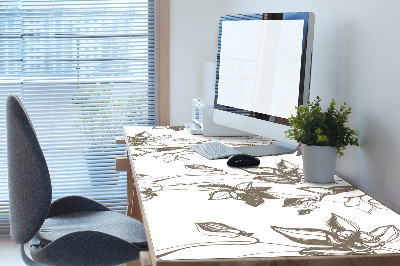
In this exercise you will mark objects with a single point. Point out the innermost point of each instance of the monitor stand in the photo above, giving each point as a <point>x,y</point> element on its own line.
<point>275,148</point>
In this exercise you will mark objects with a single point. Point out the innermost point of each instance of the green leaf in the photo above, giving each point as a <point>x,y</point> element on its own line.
<point>312,126</point>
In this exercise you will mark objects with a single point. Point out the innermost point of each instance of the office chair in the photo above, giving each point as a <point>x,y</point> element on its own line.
<point>70,231</point>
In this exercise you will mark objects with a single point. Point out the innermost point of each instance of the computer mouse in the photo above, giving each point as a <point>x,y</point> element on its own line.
<point>242,160</point>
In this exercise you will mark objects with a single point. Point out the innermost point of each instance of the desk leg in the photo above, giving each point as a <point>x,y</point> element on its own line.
<point>144,260</point>
<point>122,164</point>
<point>133,210</point>
<point>133,199</point>
<point>129,192</point>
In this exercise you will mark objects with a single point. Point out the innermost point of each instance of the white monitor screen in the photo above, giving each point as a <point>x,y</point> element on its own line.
<point>260,63</point>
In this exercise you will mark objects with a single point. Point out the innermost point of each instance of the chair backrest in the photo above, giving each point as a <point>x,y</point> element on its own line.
<point>29,183</point>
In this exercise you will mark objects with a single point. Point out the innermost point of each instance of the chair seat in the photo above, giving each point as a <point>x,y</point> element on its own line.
<point>108,222</point>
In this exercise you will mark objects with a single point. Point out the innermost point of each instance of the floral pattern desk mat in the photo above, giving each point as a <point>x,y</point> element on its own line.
<point>199,209</point>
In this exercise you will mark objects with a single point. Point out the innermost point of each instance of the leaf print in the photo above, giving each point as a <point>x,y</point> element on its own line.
<point>385,234</point>
<point>234,195</point>
<point>139,139</point>
<point>337,223</point>
<point>373,202</point>
<point>307,236</point>
<point>263,192</point>
<point>176,128</point>
<point>219,195</point>
<point>145,138</point>
<point>148,190</point>
<point>219,229</point>
<point>306,205</point>
<point>305,211</point>
<point>284,173</point>
<point>334,240</point>
<point>291,202</point>
<point>172,154</point>
<point>253,196</point>
<point>148,194</point>
<point>235,237</point>
<point>299,202</point>
<point>319,190</point>
<point>137,152</point>
<point>205,169</point>
<point>364,203</point>
<point>253,200</point>
<point>343,238</point>
<point>352,202</point>
<point>245,186</point>
<point>329,190</point>
<point>325,251</point>
<point>342,189</point>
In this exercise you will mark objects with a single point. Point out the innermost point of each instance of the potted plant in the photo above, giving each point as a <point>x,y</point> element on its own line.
<point>99,110</point>
<point>323,135</point>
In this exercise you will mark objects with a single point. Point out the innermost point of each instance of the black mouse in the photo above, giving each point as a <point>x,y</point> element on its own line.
<point>240,160</point>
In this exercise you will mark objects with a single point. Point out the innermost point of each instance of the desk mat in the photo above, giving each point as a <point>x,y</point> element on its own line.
<point>202,209</point>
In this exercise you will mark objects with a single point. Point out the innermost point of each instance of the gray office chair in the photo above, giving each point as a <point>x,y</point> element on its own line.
<point>70,231</point>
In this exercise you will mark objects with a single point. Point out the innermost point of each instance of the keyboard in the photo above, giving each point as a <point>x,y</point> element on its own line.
<point>214,150</point>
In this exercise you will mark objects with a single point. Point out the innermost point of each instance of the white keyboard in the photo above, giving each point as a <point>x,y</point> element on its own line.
<point>214,150</point>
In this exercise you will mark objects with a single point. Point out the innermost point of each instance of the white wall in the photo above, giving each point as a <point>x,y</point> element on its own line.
<point>356,59</point>
<point>194,41</point>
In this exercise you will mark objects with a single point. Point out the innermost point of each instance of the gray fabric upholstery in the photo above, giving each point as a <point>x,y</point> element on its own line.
<point>86,248</point>
<point>78,231</point>
<point>72,204</point>
<point>28,176</point>
<point>111,223</point>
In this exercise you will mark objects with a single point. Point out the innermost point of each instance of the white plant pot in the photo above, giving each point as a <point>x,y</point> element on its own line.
<point>319,163</point>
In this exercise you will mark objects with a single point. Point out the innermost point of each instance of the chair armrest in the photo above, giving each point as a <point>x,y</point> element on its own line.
<point>72,204</point>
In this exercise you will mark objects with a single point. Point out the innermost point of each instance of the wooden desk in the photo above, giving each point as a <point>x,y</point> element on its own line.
<point>202,212</point>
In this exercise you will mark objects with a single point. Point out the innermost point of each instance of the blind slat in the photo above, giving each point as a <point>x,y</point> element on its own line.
<point>83,69</point>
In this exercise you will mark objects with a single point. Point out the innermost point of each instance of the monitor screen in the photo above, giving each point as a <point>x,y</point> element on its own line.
<point>260,64</point>
<point>263,71</point>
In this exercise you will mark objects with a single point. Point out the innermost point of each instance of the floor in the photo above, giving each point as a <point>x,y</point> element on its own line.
<point>9,253</point>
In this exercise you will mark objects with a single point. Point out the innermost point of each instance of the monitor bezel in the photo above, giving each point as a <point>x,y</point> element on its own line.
<point>306,58</point>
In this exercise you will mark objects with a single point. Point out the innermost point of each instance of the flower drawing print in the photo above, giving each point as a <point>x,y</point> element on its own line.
<point>344,237</point>
<point>284,173</point>
<point>253,196</point>
<point>172,154</point>
<point>364,203</point>
<point>145,138</point>
<point>306,205</point>
<point>232,235</point>
<point>220,229</point>
<point>174,128</point>
<point>199,169</point>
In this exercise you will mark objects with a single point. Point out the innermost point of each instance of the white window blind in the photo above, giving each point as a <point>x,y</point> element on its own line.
<point>83,69</point>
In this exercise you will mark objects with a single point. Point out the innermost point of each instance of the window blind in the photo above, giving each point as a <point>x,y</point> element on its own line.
<point>83,69</point>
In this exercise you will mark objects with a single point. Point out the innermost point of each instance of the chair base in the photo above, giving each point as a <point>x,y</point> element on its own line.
<point>26,259</point>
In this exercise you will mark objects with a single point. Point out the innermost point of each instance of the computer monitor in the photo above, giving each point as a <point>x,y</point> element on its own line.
<point>263,73</point>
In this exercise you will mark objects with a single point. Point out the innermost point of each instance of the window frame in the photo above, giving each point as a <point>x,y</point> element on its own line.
<point>163,36</point>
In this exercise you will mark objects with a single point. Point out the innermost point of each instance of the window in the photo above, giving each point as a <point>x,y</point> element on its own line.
<point>83,69</point>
